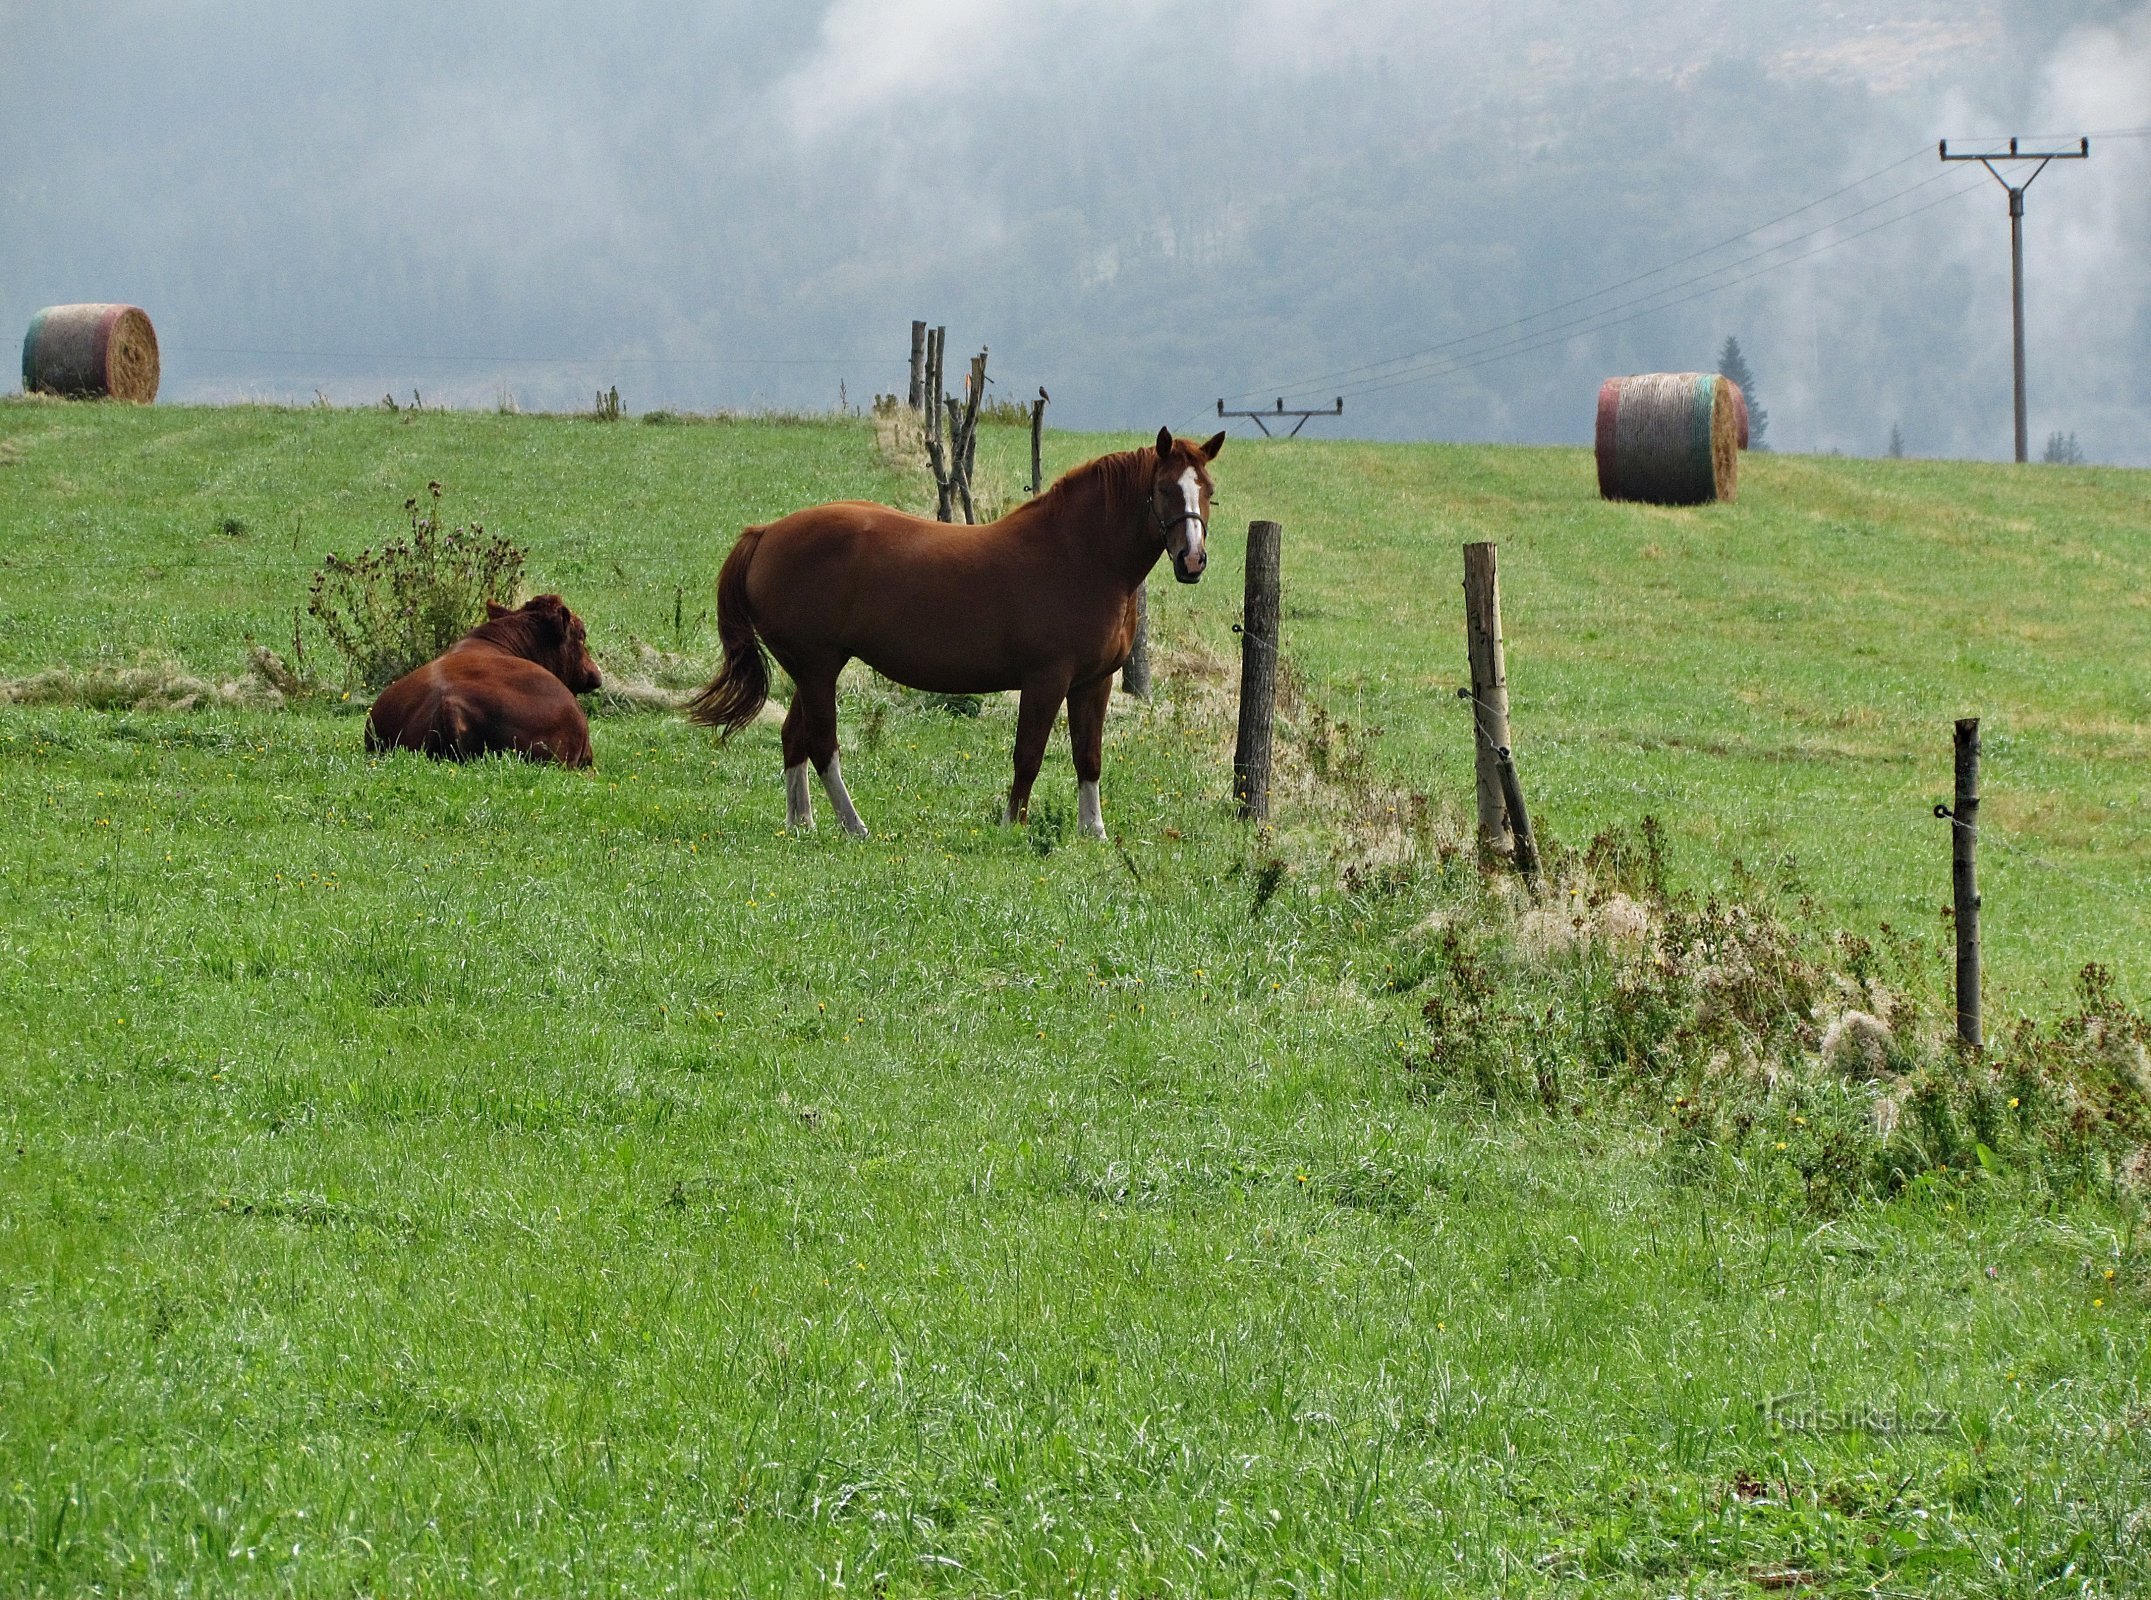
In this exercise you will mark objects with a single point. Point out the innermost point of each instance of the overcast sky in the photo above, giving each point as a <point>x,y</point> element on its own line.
<point>1141,204</point>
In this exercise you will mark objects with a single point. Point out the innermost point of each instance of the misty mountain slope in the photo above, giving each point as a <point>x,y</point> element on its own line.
<point>1140,205</point>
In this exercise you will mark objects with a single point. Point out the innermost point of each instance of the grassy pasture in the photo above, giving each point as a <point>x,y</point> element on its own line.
<point>432,1180</point>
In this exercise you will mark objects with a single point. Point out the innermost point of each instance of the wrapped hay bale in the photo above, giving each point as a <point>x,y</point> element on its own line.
<point>91,352</point>
<point>1740,410</point>
<point>1668,438</point>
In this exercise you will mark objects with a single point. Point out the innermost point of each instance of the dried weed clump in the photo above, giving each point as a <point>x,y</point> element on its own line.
<point>1766,1054</point>
<point>157,684</point>
<point>392,610</point>
<point>1336,817</point>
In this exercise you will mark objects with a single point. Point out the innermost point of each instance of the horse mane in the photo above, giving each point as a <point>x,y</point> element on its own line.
<point>522,632</point>
<point>1118,475</point>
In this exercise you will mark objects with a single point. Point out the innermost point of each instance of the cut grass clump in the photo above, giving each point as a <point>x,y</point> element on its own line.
<point>392,610</point>
<point>156,685</point>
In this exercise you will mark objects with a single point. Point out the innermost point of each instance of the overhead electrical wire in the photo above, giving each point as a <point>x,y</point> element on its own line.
<point>1674,287</point>
<point>1549,337</point>
<point>1307,384</point>
<point>1395,371</point>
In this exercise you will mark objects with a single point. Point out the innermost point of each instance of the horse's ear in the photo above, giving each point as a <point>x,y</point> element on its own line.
<point>494,611</point>
<point>1165,443</point>
<point>1212,445</point>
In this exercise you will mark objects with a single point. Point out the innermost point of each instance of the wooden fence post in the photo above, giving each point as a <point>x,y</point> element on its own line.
<point>1258,671</point>
<point>1489,695</point>
<point>1135,673</point>
<point>918,365</point>
<point>1038,431</point>
<point>1963,815</point>
<point>966,442</point>
<point>936,354</point>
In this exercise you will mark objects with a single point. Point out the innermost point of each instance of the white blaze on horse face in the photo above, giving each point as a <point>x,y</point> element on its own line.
<point>798,799</point>
<point>840,799</point>
<point>1090,816</point>
<point>1197,536</point>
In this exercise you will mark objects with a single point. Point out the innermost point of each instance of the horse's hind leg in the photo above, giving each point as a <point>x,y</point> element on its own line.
<point>1035,711</point>
<point>1086,741</point>
<point>840,797</point>
<point>810,739</point>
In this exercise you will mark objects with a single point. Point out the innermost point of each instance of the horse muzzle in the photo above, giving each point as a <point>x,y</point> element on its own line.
<point>1190,560</point>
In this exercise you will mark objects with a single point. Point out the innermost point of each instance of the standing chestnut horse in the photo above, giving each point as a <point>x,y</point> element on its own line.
<point>1042,601</point>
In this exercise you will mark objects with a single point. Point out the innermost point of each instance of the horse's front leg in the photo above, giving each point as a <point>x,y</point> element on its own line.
<point>1040,704</point>
<point>1086,740</point>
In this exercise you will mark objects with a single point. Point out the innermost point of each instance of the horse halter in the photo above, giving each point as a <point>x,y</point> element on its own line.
<point>1167,524</point>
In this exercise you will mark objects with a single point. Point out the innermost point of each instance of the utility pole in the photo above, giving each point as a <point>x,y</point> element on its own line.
<point>1987,158</point>
<point>1277,416</point>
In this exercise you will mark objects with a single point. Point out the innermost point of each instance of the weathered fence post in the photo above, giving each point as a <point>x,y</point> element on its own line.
<point>918,365</point>
<point>1489,696</point>
<point>1258,671</point>
<point>1963,815</point>
<point>1038,431</point>
<point>1135,674</point>
<point>936,353</point>
<point>965,449</point>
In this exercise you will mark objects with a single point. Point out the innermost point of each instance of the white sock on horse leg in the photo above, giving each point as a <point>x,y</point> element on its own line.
<point>840,799</point>
<point>798,800</point>
<point>1090,815</point>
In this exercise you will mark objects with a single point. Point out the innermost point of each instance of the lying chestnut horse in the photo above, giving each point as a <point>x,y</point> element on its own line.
<point>507,686</point>
<point>1042,601</point>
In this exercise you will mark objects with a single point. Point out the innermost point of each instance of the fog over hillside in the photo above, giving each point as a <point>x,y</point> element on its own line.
<point>1141,204</point>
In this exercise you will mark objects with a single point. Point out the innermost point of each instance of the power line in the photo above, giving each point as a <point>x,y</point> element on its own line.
<point>1323,378</point>
<point>1586,326</point>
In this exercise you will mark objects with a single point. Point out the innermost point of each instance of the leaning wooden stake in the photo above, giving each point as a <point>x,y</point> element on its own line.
<point>1512,796</point>
<point>1489,696</point>
<point>918,366</point>
<point>1963,814</point>
<point>1135,673</point>
<point>1258,671</point>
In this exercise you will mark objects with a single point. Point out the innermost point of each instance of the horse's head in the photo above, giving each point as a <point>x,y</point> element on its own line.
<point>552,636</point>
<point>1180,500</point>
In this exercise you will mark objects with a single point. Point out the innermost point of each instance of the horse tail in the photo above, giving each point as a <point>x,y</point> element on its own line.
<point>734,696</point>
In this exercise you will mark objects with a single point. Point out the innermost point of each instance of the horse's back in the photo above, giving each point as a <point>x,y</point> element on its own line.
<point>470,703</point>
<point>943,606</point>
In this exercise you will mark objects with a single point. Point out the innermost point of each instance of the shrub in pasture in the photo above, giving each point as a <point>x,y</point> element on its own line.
<point>393,609</point>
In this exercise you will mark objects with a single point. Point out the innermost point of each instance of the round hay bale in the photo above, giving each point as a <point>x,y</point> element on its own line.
<point>1668,438</point>
<point>91,352</point>
<point>1740,411</point>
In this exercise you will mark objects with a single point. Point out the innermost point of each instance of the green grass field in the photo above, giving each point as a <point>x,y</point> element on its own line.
<point>421,1180</point>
